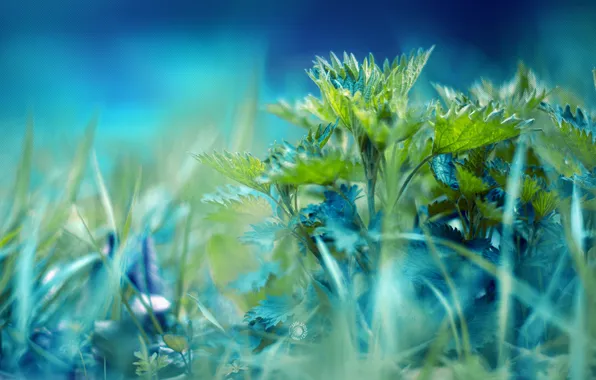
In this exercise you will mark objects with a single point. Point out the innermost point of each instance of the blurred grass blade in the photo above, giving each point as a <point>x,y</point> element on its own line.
<point>104,195</point>
<point>23,177</point>
<point>129,216</point>
<point>513,191</point>
<point>182,265</point>
<point>25,271</point>
<point>333,269</point>
<point>66,273</point>
<point>8,237</point>
<point>77,171</point>
<point>579,346</point>
<point>207,314</point>
<point>247,116</point>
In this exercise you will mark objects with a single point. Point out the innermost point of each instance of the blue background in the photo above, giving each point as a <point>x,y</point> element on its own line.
<point>143,64</point>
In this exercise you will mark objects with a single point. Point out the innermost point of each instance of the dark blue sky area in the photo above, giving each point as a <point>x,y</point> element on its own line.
<point>294,25</point>
<point>134,57</point>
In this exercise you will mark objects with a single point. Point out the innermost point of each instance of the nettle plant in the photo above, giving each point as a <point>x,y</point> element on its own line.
<point>469,215</point>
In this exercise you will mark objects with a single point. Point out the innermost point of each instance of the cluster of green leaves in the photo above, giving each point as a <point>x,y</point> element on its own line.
<point>502,159</point>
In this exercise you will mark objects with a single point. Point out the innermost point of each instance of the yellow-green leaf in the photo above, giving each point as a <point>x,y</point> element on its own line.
<point>545,203</point>
<point>177,343</point>
<point>490,211</point>
<point>240,167</point>
<point>470,127</point>
<point>469,184</point>
<point>530,188</point>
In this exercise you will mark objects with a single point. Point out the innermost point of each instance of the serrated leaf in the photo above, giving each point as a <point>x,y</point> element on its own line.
<point>255,281</point>
<point>440,207</point>
<point>469,184</point>
<point>476,160</point>
<point>382,127</point>
<point>521,95</point>
<point>472,127</point>
<point>177,343</point>
<point>545,203</point>
<point>238,203</point>
<point>530,188</point>
<point>576,135</point>
<point>243,168</point>
<point>402,77</point>
<point>344,238</point>
<point>348,85</point>
<point>490,211</point>
<point>264,234</point>
<point>450,96</point>
<point>316,171</point>
<point>271,312</point>
<point>443,169</point>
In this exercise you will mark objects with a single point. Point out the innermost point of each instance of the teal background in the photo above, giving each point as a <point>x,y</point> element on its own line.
<point>143,65</point>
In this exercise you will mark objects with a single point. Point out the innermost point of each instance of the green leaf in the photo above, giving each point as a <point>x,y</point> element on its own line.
<point>228,259</point>
<point>490,211</point>
<point>443,169</point>
<point>348,85</point>
<point>521,95</point>
<point>272,311</point>
<point>530,188</point>
<point>264,234</point>
<point>243,168</point>
<point>440,207</point>
<point>316,170</point>
<point>469,184</point>
<point>297,115</point>
<point>255,281</point>
<point>238,200</point>
<point>545,203</point>
<point>318,108</point>
<point>177,343</point>
<point>450,96</point>
<point>403,75</point>
<point>384,129</point>
<point>472,127</point>
<point>575,135</point>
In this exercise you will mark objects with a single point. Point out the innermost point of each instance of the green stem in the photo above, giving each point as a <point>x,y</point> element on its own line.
<point>186,364</point>
<point>182,271</point>
<point>370,196</point>
<point>409,179</point>
<point>135,320</point>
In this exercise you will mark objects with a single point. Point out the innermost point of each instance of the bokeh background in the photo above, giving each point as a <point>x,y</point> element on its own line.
<point>153,66</point>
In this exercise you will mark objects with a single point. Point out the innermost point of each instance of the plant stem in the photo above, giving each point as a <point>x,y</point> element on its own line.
<point>409,179</point>
<point>135,320</point>
<point>186,364</point>
<point>370,196</point>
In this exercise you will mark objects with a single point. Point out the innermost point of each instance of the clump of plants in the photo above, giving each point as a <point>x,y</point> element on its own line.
<point>449,239</point>
<point>459,227</point>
